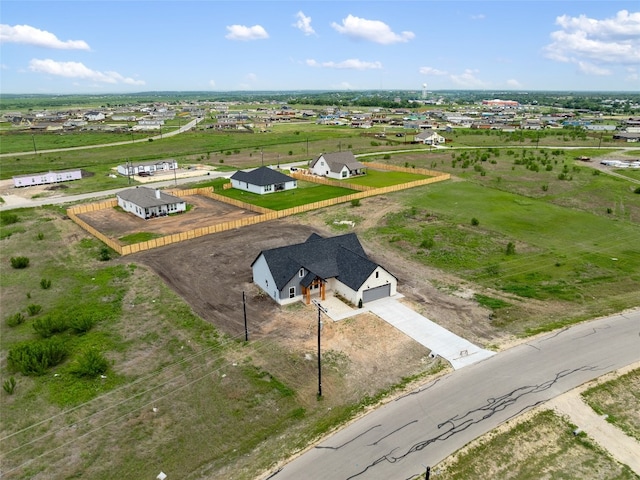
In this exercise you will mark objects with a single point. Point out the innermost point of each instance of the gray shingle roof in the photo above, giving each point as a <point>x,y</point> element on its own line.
<point>337,160</point>
<point>339,257</point>
<point>146,197</point>
<point>261,176</point>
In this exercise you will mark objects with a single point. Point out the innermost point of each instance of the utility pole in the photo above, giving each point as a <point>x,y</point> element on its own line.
<point>175,175</point>
<point>320,310</point>
<point>33,138</point>
<point>244,308</point>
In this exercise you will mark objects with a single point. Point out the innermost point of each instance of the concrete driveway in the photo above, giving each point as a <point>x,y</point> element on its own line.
<point>456,350</point>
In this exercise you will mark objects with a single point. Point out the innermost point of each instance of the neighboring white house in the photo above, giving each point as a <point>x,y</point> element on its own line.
<point>304,270</point>
<point>338,165</point>
<point>148,203</point>
<point>150,167</point>
<point>46,178</point>
<point>94,116</point>
<point>262,180</point>
<point>429,137</point>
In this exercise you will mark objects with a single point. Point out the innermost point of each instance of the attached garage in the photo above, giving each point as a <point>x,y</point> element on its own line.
<point>376,293</point>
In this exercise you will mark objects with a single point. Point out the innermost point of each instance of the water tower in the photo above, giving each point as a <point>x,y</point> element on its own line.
<point>424,91</point>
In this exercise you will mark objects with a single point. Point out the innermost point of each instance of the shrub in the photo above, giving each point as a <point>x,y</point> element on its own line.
<point>355,202</point>
<point>427,243</point>
<point>511,248</point>
<point>40,236</point>
<point>8,218</point>
<point>9,385</point>
<point>36,357</point>
<point>19,262</point>
<point>45,284</point>
<point>81,324</point>
<point>90,364</point>
<point>387,157</point>
<point>15,319</point>
<point>48,326</point>
<point>637,190</point>
<point>475,222</point>
<point>33,309</point>
<point>105,254</point>
<point>545,187</point>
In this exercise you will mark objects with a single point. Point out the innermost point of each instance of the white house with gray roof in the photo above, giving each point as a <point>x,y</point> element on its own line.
<point>338,165</point>
<point>429,137</point>
<point>262,180</point>
<point>299,272</point>
<point>149,203</point>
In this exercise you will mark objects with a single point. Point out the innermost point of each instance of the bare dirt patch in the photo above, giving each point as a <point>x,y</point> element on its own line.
<point>223,262</point>
<point>204,212</point>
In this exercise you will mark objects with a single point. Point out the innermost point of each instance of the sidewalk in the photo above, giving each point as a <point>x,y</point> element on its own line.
<point>622,447</point>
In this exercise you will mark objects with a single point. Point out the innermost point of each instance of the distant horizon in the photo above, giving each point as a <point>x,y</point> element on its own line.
<point>285,91</point>
<point>57,47</point>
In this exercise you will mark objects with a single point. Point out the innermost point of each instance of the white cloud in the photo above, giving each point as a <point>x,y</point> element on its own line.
<point>78,70</point>
<point>244,33</point>
<point>304,24</point>
<point>591,43</point>
<point>212,83</point>
<point>478,16</point>
<point>28,35</point>
<point>591,69</point>
<point>432,71</point>
<point>372,30</point>
<point>343,86</point>
<point>350,64</point>
<point>513,83</point>
<point>251,77</point>
<point>468,79</point>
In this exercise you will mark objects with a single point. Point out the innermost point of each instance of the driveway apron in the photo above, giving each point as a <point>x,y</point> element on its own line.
<point>456,350</point>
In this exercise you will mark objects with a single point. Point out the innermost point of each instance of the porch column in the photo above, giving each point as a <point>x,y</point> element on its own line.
<point>322,290</point>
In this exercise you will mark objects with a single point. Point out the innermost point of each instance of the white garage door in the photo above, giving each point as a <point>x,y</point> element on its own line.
<point>376,293</point>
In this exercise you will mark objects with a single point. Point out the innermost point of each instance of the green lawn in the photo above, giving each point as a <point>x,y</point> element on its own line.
<point>306,193</point>
<point>380,178</point>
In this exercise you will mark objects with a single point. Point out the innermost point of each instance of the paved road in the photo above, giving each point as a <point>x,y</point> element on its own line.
<point>429,424</point>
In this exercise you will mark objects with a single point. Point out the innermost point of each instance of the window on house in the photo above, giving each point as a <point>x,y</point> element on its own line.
<point>344,174</point>
<point>377,274</point>
<point>292,292</point>
<point>301,273</point>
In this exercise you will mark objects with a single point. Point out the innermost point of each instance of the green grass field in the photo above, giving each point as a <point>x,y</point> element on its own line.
<point>379,178</point>
<point>306,192</point>
<point>560,254</point>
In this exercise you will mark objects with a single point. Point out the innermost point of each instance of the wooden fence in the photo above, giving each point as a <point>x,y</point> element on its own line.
<point>265,214</point>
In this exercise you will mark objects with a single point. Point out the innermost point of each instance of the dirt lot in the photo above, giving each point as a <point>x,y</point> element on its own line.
<point>223,262</point>
<point>204,212</point>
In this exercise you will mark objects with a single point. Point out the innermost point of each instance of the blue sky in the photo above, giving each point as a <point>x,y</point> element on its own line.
<point>132,46</point>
